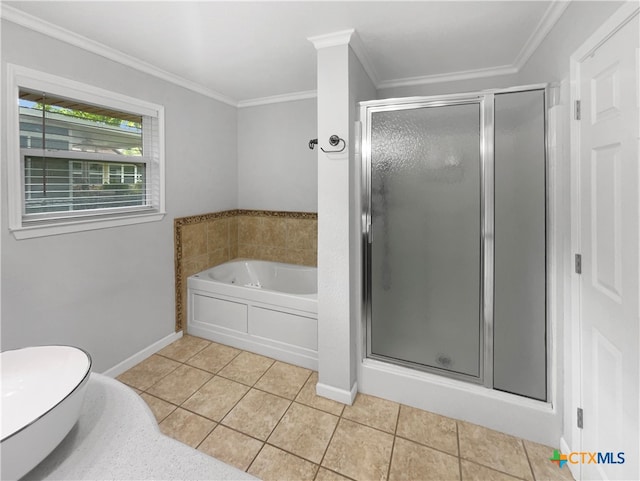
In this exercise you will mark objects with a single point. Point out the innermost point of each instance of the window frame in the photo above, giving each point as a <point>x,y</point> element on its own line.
<point>26,78</point>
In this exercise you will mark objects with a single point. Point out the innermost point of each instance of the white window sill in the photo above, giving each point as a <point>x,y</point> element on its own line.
<point>29,232</point>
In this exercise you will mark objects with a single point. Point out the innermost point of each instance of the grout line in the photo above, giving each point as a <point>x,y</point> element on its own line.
<point>335,428</point>
<point>215,425</point>
<point>393,444</point>
<point>255,457</point>
<point>526,453</point>
<point>459,452</point>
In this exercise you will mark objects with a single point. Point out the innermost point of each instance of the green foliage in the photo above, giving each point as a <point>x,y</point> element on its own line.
<point>80,114</point>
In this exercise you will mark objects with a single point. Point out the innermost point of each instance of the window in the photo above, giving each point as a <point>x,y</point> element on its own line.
<point>80,157</point>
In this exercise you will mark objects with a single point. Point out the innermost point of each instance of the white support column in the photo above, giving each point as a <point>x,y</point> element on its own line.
<point>335,342</point>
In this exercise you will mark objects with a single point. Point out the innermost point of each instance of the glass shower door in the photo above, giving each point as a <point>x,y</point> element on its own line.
<point>425,278</point>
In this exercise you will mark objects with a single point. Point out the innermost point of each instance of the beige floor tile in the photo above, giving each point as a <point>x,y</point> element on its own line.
<point>309,397</point>
<point>160,409</point>
<point>142,376</point>
<point>304,431</point>
<point>231,447</point>
<point>246,368</point>
<point>475,472</point>
<point>216,398</point>
<point>326,475</point>
<point>428,428</point>
<point>373,411</point>
<point>180,384</point>
<point>283,379</point>
<point>543,468</point>
<point>257,414</point>
<point>184,348</point>
<point>359,452</point>
<point>493,449</point>
<point>273,464</point>
<point>214,357</point>
<point>412,461</point>
<point>186,427</point>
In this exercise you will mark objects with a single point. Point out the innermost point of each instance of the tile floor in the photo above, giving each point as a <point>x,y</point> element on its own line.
<point>264,417</point>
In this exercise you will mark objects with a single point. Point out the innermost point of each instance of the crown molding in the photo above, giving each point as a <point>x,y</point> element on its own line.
<point>276,99</point>
<point>361,52</point>
<point>19,17</point>
<point>546,23</point>
<point>334,39</point>
<point>449,77</point>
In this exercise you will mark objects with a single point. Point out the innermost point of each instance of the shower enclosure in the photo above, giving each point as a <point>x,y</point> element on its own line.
<point>454,215</point>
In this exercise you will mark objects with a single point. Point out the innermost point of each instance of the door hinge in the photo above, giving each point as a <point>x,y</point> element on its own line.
<point>580,419</point>
<point>578,264</point>
<point>577,112</point>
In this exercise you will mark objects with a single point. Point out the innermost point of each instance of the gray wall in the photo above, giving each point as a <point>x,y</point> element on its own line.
<point>111,291</point>
<point>276,168</point>
<point>550,63</point>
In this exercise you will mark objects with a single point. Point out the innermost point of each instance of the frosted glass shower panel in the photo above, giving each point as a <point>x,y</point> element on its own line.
<point>426,249</point>
<point>519,344</point>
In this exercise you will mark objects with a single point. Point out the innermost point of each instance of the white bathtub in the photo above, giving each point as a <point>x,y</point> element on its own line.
<point>265,307</point>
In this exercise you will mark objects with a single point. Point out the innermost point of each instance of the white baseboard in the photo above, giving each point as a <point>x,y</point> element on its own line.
<point>140,356</point>
<point>341,395</point>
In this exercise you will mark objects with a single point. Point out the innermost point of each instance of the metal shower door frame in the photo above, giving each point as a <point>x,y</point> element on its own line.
<point>485,102</point>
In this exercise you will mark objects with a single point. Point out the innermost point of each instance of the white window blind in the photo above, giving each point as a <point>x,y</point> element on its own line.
<point>79,157</point>
<point>82,157</point>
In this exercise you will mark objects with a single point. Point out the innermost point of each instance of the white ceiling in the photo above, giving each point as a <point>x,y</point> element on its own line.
<point>240,51</point>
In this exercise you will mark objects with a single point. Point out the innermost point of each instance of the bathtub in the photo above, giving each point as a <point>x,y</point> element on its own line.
<point>269,308</point>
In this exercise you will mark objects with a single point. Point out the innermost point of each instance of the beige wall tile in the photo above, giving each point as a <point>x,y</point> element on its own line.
<point>217,257</point>
<point>272,231</point>
<point>217,234</point>
<point>194,240</point>
<point>413,461</point>
<point>247,228</point>
<point>231,447</point>
<point>186,427</point>
<point>248,251</point>
<point>303,257</point>
<point>302,233</point>
<point>233,237</point>
<point>273,464</point>
<point>359,452</point>
<point>193,265</point>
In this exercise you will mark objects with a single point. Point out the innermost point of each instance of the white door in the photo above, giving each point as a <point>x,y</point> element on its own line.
<point>608,239</point>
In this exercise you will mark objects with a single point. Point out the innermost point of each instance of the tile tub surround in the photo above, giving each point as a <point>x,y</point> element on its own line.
<point>207,240</point>
<point>263,416</point>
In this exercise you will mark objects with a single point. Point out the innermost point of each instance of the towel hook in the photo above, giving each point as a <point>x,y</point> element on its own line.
<point>334,140</point>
